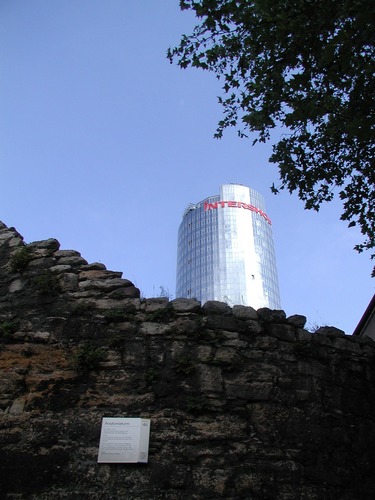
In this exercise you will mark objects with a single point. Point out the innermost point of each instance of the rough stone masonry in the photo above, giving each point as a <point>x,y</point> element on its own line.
<point>243,404</point>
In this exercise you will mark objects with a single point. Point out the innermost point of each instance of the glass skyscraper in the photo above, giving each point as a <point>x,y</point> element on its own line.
<point>226,252</point>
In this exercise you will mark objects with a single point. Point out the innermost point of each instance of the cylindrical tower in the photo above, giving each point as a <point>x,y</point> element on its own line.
<point>226,252</point>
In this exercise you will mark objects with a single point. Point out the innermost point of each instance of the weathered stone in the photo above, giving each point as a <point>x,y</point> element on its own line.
<point>61,268</point>
<point>124,327</point>
<point>106,285</point>
<point>297,320</point>
<point>149,328</point>
<point>5,236</point>
<point>265,342</point>
<point>343,343</point>
<point>17,406</point>
<point>253,327</point>
<point>204,353</point>
<point>368,347</point>
<point>186,326</point>
<point>94,266</point>
<point>52,244</point>
<point>156,304</point>
<point>244,312</point>
<point>237,343</point>
<point>41,263</point>
<point>39,336</point>
<point>271,316</point>
<point>66,253</point>
<point>94,293</point>
<point>210,378</point>
<point>216,307</point>
<point>124,293</point>
<point>130,292</point>
<point>73,260</point>
<point>97,274</point>
<point>250,391</point>
<point>226,357</point>
<point>16,286</point>
<point>186,305</point>
<point>12,238</point>
<point>330,331</point>
<point>303,335</point>
<point>321,339</point>
<point>69,281</point>
<point>281,332</point>
<point>220,322</point>
<point>37,253</point>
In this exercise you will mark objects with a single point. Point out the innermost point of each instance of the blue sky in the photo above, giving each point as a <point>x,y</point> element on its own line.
<point>103,143</point>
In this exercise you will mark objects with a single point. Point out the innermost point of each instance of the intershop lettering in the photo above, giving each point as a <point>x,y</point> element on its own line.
<point>236,204</point>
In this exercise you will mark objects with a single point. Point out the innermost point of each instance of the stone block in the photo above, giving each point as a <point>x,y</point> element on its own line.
<point>37,253</point>
<point>369,348</point>
<point>346,345</point>
<point>124,327</point>
<point>249,391</point>
<point>271,316</point>
<point>124,293</point>
<point>107,285</point>
<point>97,274</point>
<point>105,304</point>
<point>17,406</point>
<point>281,332</point>
<point>297,320</point>
<point>207,479</point>
<point>155,304</point>
<point>66,253</point>
<point>238,344</point>
<point>7,236</point>
<point>321,339</point>
<point>330,331</point>
<point>42,263</point>
<point>94,266</point>
<point>17,286</point>
<point>220,322</point>
<point>216,307</point>
<point>312,369</point>
<point>73,260</point>
<point>148,328</point>
<point>69,281</point>
<point>51,244</point>
<point>61,268</point>
<point>204,353</point>
<point>39,336</point>
<point>187,326</point>
<point>253,326</point>
<point>244,313</point>
<point>303,335</point>
<point>210,378</point>
<point>186,305</point>
<point>265,342</point>
<point>15,243</point>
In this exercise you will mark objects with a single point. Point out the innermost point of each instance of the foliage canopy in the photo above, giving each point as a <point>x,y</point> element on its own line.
<point>306,66</point>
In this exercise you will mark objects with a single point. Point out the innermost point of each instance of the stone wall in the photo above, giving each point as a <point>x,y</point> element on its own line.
<point>243,404</point>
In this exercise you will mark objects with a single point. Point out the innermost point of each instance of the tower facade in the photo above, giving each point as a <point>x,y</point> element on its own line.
<point>226,251</point>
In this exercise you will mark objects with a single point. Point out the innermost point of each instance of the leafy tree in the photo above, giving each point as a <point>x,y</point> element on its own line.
<point>306,66</point>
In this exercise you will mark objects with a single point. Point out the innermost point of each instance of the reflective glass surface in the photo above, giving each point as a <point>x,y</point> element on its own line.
<point>226,252</point>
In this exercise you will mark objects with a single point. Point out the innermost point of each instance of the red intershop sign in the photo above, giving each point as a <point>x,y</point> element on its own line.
<point>236,204</point>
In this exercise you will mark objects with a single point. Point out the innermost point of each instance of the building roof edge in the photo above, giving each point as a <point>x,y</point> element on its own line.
<point>370,310</point>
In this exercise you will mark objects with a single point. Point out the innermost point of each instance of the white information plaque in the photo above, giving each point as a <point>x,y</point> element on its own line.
<point>124,440</point>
